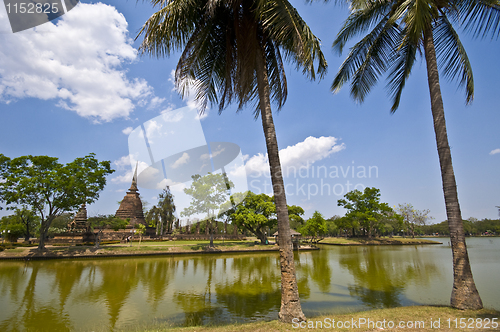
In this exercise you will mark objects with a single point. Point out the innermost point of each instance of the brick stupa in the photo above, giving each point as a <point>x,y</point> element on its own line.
<point>80,220</point>
<point>131,205</point>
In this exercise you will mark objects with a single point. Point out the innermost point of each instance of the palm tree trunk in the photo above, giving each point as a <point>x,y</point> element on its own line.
<point>290,302</point>
<point>464,294</point>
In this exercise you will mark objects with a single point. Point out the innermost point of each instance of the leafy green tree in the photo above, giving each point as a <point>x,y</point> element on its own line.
<point>399,31</point>
<point>232,50</point>
<point>315,227</point>
<point>152,217</point>
<point>393,223</point>
<point>208,193</point>
<point>141,230</point>
<point>166,209</point>
<point>331,225</point>
<point>23,222</point>
<point>51,188</point>
<point>347,225</point>
<point>295,214</point>
<point>256,213</point>
<point>365,207</point>
<point>11,228</point>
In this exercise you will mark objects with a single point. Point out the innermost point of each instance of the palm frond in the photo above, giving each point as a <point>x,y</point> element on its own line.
<point>378,59</point>
<point>204,64</point>
<point>283,24</point>
<point>417,15</point>
<point>359,21</point>
<point>481,17</point>
<point>169,28</point>
<point>402,65</point>
<point>368,59</point>
<point>453,57</point>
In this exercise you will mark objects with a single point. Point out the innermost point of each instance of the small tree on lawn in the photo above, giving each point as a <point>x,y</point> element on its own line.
<point>208,193</point>
<point>315,227</point>
<point>141,230</point>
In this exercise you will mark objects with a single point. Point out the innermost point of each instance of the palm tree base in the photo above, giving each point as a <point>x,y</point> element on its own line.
<point>291,310</point>
<point>291,313</point>
<point>466,299</point>
<point>464,295</point>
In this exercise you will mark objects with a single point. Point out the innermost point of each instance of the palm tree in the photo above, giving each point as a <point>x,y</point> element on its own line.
<point>398,30</point>
<point>232,52</point>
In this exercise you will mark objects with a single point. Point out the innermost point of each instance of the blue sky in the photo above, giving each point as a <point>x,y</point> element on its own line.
<point>77,85</point>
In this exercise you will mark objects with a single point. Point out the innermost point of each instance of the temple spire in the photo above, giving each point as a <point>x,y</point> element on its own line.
<point>133,187</point>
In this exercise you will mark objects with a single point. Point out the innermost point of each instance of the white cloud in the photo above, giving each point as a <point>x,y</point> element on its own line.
<point>76,62</point>
<point>181,161</point>
<point>494,151</point>
<point>126,166</point>
<point>127,130</point>
<point>155,102</point>
<point>300,155</point>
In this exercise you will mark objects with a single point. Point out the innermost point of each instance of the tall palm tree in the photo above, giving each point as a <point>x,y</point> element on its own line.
<point>397,30</point>
<point>232,52</point>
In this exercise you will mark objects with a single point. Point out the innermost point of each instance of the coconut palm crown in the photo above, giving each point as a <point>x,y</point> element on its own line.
<point>398,29</point>
<point>233,51</point>
<point>396,32</point>
<point>221,42</point>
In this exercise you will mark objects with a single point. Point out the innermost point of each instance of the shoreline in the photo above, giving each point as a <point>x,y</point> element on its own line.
<point>91,253</point>
<point>376,241</point>
<point>182,248</point>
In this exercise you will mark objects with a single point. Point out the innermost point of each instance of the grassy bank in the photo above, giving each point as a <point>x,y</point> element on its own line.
<point>375,241</point>
<point>416,318</point>
<point>145,248</point>
<point>184,246</point>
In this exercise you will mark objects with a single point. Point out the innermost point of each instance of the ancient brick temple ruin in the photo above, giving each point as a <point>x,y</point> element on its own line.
<point>80,220</point>
<point>131,205</point>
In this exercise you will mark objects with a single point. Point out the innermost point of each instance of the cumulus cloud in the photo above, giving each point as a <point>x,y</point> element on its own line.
<point>494,151</point>
<point>124,167</point>
<point>302,154</point>
<point>127,130</point>
<point>181,161</point>
<point>77,62</point>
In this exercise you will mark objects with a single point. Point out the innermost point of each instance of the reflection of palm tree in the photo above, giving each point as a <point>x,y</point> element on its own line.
<point>119,278</point>
<point>251,287</point>
<point>320,271</point>
<point>380,280</point>
<point>197,311</point>
<point>155,276</point>
<point>198,307</point>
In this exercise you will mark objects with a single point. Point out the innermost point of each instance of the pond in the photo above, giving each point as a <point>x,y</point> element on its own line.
<point>107,294</point>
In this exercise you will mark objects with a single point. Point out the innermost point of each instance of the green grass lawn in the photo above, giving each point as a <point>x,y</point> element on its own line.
<point>416,318</point>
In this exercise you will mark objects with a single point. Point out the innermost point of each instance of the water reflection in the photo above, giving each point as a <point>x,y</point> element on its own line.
<point>381,275</point>
<point>111,294</point>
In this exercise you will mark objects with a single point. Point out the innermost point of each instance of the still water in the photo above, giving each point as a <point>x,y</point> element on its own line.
<point>107,294</point>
